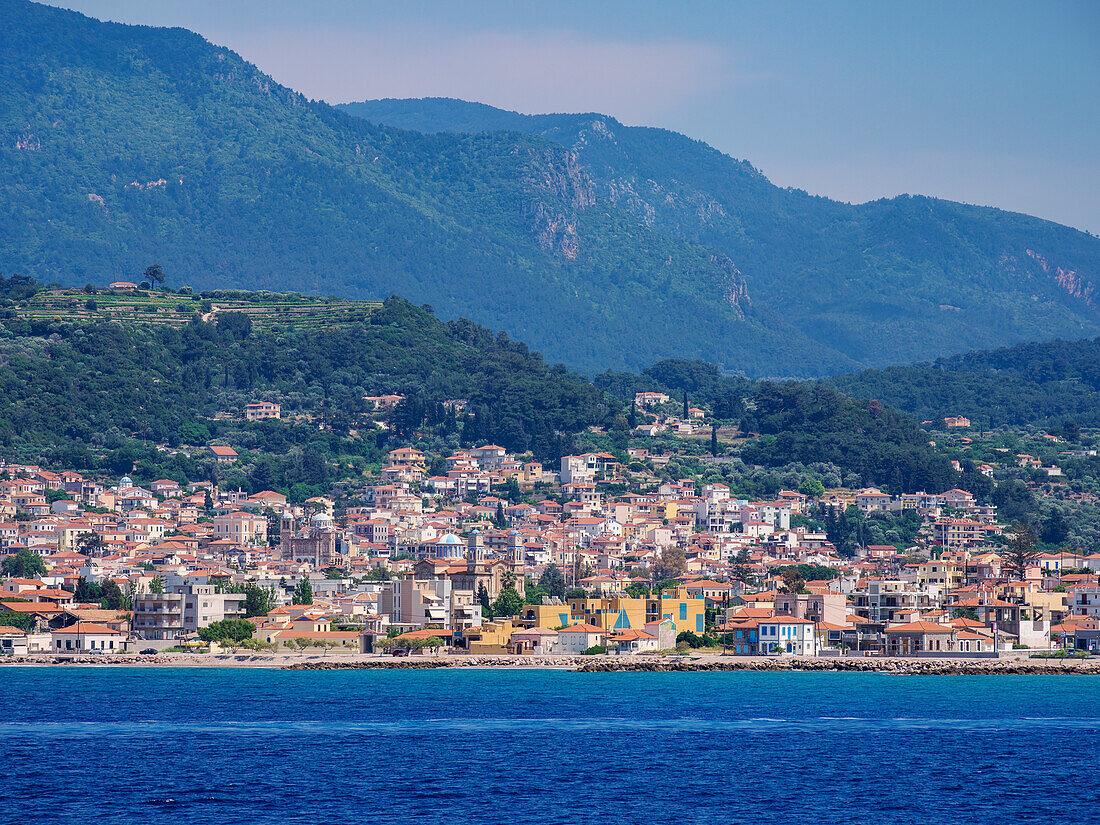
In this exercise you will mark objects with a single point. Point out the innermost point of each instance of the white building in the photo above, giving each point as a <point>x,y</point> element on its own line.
<point>579,637</point>
<point>787,634</point>
<point>87,637</point>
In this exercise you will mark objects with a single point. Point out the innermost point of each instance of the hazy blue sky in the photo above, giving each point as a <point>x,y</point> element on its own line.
<point>986,102</point>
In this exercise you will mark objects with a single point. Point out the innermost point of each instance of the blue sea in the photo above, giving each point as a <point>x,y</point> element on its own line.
<point>190,745</point>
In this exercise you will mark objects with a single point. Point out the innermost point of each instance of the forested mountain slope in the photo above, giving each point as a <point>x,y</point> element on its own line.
<point>605,247</point>
<point>1041,384</point>
<point>887,281</point>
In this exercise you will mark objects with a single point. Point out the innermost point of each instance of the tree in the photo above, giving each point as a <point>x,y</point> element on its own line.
<point>793,581</point>
<point>811,488</point>
<point>508,603</point>
<point>111,596</point>
<point>552,581</point>
<point>274,527</point>
<point>1070,431</point>
<point>86,592</point>
<point>483,600</point>
<point>24,621</point>
<point>257,601</point>
<point>227,630</point>
<point>1056,528</point>
<point>26,564</point>
<point>742,571</point>
<point>671,565</point>
<point>714,439</point>
<point>303,592</point>
<point>688,638</point>
<point>686,414</point>
<point>156,586</point>
<point>638,590</point>
<point>1020,553</point>
<point>154,274</point>
<point>500,520</point>
<point>89,543</point>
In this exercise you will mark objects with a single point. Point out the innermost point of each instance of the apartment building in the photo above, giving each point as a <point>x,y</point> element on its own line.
<point>182,610</point>
<point>881,599</point>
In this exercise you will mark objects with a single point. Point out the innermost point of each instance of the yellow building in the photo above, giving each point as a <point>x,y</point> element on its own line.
<point>491,637</point>
<point>613,613</point>
<point>620,612</point>
<point>686,612</point>
<point>948,574</point>
<point>545,615</point>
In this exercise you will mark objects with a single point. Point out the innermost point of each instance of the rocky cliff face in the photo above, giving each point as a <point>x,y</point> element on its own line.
<point>562,189</point>
<point>1069,281</point>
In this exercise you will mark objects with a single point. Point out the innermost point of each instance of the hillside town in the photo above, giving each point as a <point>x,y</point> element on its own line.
<point>499,554</point>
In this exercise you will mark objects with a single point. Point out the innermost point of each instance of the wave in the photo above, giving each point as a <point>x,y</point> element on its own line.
<point>157,728</point>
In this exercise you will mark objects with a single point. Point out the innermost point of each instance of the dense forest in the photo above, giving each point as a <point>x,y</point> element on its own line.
<point>101,396</point>
<point>1041,384</point>
<point>605,247</point>
<point>803,423</point>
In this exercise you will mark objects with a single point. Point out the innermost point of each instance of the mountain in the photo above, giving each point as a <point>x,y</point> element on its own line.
<point>604,246</point>
<point>1046,384</point>
<point>888,281</point>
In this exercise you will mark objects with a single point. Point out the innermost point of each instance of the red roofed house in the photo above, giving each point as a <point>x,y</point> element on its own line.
<point>224,454</point>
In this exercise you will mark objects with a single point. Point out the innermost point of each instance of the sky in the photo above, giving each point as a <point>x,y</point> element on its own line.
<point>993,103</point>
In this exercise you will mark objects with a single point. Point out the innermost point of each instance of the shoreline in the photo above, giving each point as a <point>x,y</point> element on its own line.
<point>580,664</point>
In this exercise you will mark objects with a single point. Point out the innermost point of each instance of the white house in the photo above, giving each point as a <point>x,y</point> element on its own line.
<point>87,637</point>
<point>579,637</point>
<point>538,641</point>
<point>13,641</point>
<point>631,641</point>
<point>787,634</point>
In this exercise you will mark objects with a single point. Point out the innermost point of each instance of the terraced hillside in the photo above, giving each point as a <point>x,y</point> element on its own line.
<point>172,309</point>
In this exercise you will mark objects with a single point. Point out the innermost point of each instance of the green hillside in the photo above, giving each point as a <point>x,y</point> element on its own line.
<point>91,393</point>
<point>114,392</point>
<point>605,247</point>
<point>287,311</point>
<point>1028,384</point>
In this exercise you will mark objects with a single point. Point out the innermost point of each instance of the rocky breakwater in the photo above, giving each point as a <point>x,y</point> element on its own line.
<point>87,659</point>
<point>911,667</point>
<point>432,663</point>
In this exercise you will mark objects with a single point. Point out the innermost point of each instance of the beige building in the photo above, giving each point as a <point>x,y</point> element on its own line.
<point>261,410</point>
<point>241,527</point>
<point>816,607</point>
